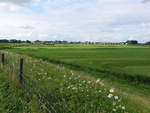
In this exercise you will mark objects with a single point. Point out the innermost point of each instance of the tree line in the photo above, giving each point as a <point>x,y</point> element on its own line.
<point>14,41</point>
<point>63,42</point>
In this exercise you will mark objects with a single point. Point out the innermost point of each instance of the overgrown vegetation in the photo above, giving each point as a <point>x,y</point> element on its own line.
<point>14,98</point>
<point>58,90</point>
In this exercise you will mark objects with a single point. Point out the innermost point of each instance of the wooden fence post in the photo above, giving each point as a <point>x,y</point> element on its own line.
<point>21,70</point>
<point>3,58</point>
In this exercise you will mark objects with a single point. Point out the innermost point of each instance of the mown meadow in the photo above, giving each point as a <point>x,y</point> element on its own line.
<point>83,78</point>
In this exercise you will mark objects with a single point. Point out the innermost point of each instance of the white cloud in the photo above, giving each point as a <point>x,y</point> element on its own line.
<point>145,1</point>
<point>18,2</point>
<point>15,5</point>
<point>96,20</point>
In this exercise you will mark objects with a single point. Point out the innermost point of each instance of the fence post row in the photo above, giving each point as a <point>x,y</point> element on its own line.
<point>21,70</point>
<point>21,61</point>
<point>3,58</point>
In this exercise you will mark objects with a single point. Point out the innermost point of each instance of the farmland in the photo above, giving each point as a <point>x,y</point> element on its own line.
<point>123,59</point>
<point>98,68</point>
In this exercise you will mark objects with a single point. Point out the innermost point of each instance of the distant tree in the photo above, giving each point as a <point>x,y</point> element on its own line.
<point>4,41</point>
<point>132,42</point>
<point>13,41</point>
<point>27,41</point>
<point>18,41</point>
<point>147,43</point>
<point>37,41</point>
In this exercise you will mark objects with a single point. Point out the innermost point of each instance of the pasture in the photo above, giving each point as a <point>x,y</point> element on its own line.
<point>133,60</point>
<point>76,74</point>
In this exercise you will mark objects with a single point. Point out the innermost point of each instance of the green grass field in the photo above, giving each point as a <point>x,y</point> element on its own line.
<point>125,68</point>
<point>130,60</point>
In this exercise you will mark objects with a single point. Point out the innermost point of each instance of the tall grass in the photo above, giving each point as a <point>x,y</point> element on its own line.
<point>63,91</point>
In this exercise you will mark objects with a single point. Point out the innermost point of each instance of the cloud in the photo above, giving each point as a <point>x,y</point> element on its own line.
<point>145,1</point>
<point>84,20</point>
<point>18,2</point>
<point>26,27</point>
<point>16,5</point>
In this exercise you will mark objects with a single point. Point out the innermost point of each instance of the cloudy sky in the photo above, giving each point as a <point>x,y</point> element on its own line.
<point>75,20</point>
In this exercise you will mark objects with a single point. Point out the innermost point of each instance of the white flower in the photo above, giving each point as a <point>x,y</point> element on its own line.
<point>99,91</point>
<point>114,109</point>
<point>98,80</point>
<point>84,81</point>
<point>111,90</point>
<point>72,73</point>
<point>89,82</point>
<point>64,76</point>
<point>110,96</point>
<point>116,97</point>
<point>74,88</point>
<point>123,107</point>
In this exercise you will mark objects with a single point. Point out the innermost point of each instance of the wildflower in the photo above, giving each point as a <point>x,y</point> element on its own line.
<point>99,91</point>
<point>123,107</point>
<point>110,96</point>
<point>84,81</point>
<point>116,97</point>
<point>89,82</point>
<point>114,109</point>
<point>98,80</point>
<point>111,90</point>
<point>64,76</point>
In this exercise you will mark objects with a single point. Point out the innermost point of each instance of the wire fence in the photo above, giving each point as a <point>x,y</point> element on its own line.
<point>72,95</point>
<point>49,102</point>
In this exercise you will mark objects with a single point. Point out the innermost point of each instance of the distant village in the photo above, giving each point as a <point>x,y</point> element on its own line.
<point>71,42</point>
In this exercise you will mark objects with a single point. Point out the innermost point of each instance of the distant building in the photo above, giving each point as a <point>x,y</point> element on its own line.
<point>111,43</point>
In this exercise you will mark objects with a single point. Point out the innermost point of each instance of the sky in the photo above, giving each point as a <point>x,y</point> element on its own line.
<point>75,20</point>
